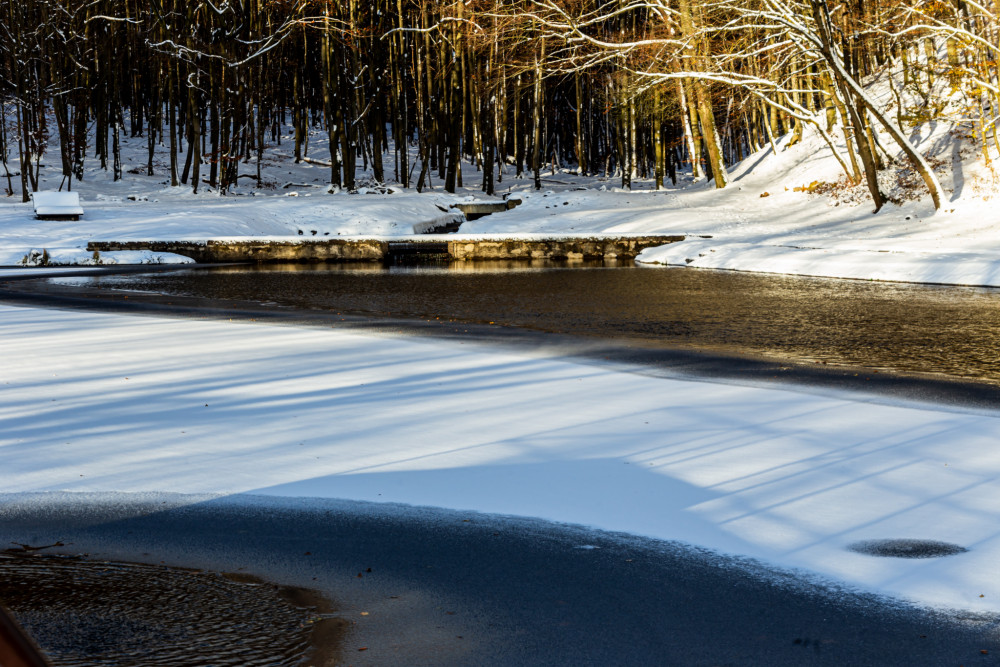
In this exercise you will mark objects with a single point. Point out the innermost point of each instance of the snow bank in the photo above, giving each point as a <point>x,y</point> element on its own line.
<point>77,257</point>
<point>175,215</point>
<point>947,268</point>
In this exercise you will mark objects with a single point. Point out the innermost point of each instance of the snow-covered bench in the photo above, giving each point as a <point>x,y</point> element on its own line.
<point>57,205</point>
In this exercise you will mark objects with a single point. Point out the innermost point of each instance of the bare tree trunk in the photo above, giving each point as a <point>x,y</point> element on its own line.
<point>194,150</point>
<point>702,99</point>
<point>710,133</point>
<point>657,139</point>
<point>822,17</point>
<point>22,149</point>
<point>536,149</point>
<point>688,116</point>
<point>581,159</point>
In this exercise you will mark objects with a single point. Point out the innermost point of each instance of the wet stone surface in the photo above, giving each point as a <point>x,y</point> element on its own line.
<point>84,612</point>
<point>906,548</point>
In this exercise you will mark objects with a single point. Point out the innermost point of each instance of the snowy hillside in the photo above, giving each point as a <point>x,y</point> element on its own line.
<point>767,220</point>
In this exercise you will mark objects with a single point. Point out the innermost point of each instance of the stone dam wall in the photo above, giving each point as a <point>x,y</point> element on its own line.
<point>382,250</point>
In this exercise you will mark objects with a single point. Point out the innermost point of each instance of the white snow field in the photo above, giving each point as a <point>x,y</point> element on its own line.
<point>113,403</point>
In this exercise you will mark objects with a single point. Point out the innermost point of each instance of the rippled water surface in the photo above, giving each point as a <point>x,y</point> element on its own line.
<point>880,325</point>
<point>92,613</point>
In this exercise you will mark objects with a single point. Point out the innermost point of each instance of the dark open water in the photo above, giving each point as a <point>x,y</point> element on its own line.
<point>893,326</point>
<point>85,613</point>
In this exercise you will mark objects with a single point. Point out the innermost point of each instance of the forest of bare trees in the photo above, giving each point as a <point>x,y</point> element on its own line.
<point>631,88</point>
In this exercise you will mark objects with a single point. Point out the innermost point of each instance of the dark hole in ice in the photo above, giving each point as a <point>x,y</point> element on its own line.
<point>906,548</point>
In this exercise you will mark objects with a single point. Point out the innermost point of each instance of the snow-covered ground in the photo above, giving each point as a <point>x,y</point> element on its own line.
<point>112,403</point>
<point>765,221</point>
<point>174,214</point>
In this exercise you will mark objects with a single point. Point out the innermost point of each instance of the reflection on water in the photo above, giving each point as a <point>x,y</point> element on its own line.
<point>98,613</point>
<point>881,325</point>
